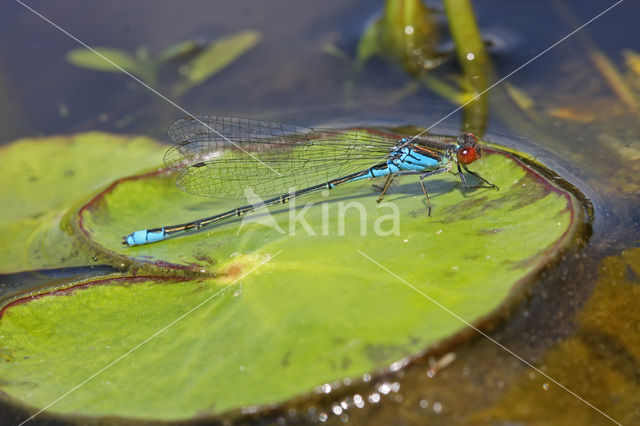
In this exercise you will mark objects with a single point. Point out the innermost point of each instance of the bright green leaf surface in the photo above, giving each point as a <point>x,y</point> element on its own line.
<point>45,177</point>
<point>317,312</point>
<point>220,54</point>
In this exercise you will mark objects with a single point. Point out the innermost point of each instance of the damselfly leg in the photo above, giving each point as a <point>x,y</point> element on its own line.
<point>424,188</point>
<point>387,184</point>
<point>464,180</point>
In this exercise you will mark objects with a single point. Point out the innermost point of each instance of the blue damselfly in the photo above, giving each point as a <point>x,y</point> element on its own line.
<point>221,156</point>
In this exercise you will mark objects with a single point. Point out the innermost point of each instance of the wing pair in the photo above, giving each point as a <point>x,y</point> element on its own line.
<point>221,156</point>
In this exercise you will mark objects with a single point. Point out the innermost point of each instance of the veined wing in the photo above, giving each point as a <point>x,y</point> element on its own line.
<point>206,138</point>
<point>233,128</point>
<point>319,161</point>
<point>202,138</point>
<point>230,178</point>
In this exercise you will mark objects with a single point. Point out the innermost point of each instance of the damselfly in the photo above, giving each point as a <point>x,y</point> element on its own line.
<point>222,156</point>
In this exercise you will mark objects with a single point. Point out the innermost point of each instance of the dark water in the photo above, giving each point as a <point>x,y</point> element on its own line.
<point>579,127</point>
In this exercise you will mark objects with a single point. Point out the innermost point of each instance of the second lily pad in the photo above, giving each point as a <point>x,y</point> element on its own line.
<point>44,178</point>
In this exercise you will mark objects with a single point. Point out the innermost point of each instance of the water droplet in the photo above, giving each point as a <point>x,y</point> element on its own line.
<point>358,401</point>
<point>374,398</point>
<point>384,388</point>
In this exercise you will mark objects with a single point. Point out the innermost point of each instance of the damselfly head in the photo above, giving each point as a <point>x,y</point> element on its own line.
<point>468,150</point>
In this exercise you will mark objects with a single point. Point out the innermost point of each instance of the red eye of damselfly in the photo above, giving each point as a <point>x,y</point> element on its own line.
<point>467,155</point>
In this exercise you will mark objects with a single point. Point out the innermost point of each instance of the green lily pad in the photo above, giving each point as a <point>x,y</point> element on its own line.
<point>319,311</point>
<point>44,178</point>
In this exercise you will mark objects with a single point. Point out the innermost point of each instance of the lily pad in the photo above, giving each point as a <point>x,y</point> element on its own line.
<point>44,178</point>
<point>262,333</point>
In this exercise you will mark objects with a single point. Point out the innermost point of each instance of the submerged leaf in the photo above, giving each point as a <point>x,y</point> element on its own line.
<point>178,50</point>
<point>85,58</point>
<point>217,56</point>
<point>369,44</point>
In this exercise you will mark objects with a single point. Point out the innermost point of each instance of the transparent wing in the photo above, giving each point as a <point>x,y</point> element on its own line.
<point>271,158</point>
<point>201,138</point>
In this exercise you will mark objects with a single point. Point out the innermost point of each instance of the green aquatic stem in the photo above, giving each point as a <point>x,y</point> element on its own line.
<point>448,92</point>
<point>473,59</point>
<point>405,32</point>
<point>407,25</point>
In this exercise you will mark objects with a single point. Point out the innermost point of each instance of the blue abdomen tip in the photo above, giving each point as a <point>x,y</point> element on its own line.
<point>138,237</point>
